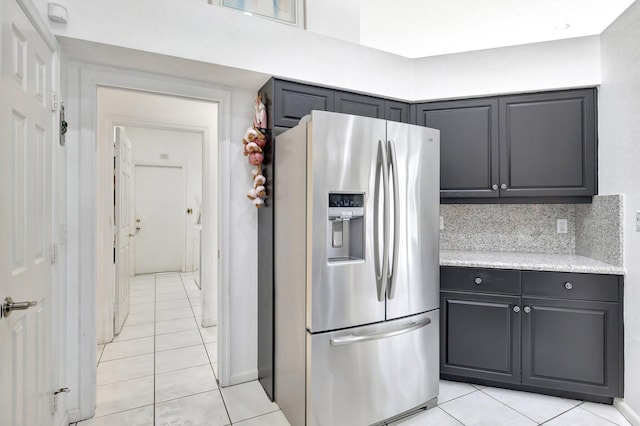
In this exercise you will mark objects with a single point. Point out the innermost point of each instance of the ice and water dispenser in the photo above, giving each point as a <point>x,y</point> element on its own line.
<point>345,230</point>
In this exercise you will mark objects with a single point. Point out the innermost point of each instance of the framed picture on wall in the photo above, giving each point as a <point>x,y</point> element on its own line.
<point>280,10</point>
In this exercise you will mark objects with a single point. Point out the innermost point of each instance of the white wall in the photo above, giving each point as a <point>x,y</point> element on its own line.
<point>153,146</point>
<point>223,36</point>
<point>530,67</point>
<point>619,164</point>
<point>321,18</point>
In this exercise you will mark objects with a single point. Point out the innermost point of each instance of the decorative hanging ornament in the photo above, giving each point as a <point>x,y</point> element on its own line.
<point>253,142</point>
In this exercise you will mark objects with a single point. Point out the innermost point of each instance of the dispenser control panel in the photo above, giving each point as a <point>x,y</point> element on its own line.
<point>345,206</point>
<point>345,231</point>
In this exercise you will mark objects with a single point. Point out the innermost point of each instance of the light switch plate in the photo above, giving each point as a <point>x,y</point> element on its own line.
<point>637,220</point>
<point>561,226</point>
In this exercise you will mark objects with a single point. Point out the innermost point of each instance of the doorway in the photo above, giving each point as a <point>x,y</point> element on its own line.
<point>89,182</point>
<point>164,208</point>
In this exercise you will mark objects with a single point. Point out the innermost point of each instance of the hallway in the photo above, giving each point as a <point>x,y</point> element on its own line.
<point>161,369</point>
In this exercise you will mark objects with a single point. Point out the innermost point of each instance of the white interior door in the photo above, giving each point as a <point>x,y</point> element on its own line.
<point>25,220</point>
<point>160,217</point>
<point>123,226</point>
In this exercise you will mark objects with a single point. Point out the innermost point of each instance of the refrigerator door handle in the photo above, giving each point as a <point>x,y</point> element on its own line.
<point>405,328</point>
<point>381,164</point>
<point>396,221</point>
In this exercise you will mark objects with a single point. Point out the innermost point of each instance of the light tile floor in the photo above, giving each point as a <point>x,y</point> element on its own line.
<point>466,404</point>
<point>161,370</point>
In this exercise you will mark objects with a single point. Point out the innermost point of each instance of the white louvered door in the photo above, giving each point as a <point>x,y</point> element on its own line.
<point>25,220</point>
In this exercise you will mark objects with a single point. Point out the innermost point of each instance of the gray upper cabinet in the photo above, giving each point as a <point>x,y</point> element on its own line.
<point>292,101</point>
<point>396,111</point>
<point>356,104</point>
<point>548,144</point>
<point>468,146</point>
<point>516,148</point>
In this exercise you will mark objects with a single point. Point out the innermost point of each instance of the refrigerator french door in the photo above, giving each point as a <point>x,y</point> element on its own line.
<point>356,271</point>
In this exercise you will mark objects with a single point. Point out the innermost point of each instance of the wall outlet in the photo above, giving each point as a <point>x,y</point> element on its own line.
<point>637,220</point>
<point>561,226</point>
<point>442,223</point>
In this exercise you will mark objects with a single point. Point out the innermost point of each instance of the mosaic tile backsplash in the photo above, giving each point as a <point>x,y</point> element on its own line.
<point>593,230</point>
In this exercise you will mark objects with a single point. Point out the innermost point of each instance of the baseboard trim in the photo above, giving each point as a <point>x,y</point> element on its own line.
<point>627,411</point>
<point>245,376</point>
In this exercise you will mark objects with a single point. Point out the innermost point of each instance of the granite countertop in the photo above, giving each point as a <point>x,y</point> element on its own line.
<point>527,261</point>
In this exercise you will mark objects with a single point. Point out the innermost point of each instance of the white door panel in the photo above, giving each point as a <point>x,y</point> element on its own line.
<point>123,227</point>
<point>160,210</point>
<point>25,220</point>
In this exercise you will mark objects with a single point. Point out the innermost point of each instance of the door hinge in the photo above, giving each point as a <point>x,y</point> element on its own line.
<point>54,398</point>
<point>55,101</point>
<point>54,252</point>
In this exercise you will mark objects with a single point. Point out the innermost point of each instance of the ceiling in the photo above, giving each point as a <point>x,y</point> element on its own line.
<point>418,28</point>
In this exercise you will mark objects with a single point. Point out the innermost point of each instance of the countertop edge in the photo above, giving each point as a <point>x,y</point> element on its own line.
<point>544,262</point>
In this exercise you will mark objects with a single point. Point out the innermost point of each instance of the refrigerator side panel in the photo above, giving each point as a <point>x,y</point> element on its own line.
<point>358,377</point>
<point>414,285</point>
<point>342,288</point>
<point>289,272</point>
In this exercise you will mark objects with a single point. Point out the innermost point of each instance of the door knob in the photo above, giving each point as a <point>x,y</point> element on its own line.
<point>9,306</point>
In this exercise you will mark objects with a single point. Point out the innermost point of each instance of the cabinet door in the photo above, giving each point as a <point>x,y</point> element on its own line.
<point>571,345</point>
<point>468,145</point>
<point>396,111</point>
<point>294,100</point>
<point>353,103</point>
<point>548,144</point>
<point>480,336</point>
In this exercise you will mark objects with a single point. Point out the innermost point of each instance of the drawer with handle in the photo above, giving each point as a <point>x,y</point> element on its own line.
<point>480,280</point>
<point>567,285</point>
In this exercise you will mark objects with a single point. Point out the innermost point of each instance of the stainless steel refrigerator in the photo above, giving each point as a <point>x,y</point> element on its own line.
<point>356,269</point>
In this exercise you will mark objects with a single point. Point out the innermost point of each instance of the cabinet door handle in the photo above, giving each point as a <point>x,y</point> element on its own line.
<point>494,187</point>
<point>503,186</point>
<point>568,285</point>
<point>478,280</point>
<point>516,309</point>
<point>527,309</point>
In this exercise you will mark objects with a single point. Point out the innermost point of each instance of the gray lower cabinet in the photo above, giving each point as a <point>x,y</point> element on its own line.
<point>480,337</point>
<point>557,333</point>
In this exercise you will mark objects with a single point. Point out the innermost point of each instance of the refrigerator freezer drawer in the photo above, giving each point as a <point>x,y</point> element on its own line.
<point>365,375</point>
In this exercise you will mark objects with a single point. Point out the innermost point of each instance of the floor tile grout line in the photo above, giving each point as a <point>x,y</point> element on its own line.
<point>560,414</point>
<point>451,415</point>
<point>114,413</point>
<point>457,397</point>
<point>254,417</point>
<point>209,358</point>
<point>598,415</point>
<point>522,414</point>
